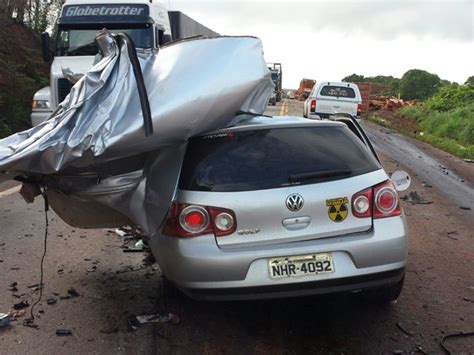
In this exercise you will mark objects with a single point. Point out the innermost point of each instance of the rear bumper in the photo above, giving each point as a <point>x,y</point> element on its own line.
<point>363,260</point>
<point>299,289</point>
<point>321,115</point>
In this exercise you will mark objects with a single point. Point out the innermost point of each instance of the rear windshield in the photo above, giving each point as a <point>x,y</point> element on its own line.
<point>273,158</point>
<point>338,91</point>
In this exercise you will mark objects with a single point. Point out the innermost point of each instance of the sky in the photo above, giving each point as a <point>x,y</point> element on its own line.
<point>328,40</point>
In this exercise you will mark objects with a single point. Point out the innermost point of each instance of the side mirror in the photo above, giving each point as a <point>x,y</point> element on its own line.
<point>46,46</point>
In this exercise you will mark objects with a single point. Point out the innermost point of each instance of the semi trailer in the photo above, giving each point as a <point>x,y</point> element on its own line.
<point>73,49</point>
<point>277,78</point>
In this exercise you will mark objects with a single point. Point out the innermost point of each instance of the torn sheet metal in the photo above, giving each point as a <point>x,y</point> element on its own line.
<point>93,150</point>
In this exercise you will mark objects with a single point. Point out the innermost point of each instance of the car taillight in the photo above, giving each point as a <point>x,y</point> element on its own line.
<point>386,201</point>
<point>359,108</point>
<point>379,201</point>
<point>185,220</point>
<point>194,219</point>
<point>313,105</point>
<point>362,203</point>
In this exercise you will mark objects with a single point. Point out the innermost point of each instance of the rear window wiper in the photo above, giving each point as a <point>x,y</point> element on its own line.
<point>318,175</point>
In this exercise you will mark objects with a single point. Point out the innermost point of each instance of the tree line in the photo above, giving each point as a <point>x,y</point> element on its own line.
<point>35,14</point>
<point>415,84</point>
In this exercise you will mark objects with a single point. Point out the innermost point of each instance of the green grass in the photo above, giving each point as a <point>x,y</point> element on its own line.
<point>451,131</point>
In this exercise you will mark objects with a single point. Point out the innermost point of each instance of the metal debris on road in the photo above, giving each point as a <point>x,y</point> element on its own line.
<point>414,198</point>
<point>72,292</point>
<point>21,305</point>
<point>51,301</point>
<point>140,244</point>
<point>465,208</point>
<point>4,320</point>
<point>63,332</point>
<point>158,318</point>
<point>134,322</point>
<point>13,287</point>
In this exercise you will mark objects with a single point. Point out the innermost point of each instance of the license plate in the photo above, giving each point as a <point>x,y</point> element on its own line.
<point>300,265</point>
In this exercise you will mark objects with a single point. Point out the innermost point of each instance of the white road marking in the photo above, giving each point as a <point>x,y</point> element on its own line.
<point>10,191</point>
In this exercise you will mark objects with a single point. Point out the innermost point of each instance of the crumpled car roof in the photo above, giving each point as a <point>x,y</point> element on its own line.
<point>193,86</point>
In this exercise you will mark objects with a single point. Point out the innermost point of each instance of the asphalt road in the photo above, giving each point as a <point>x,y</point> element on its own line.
<point>438,298</point>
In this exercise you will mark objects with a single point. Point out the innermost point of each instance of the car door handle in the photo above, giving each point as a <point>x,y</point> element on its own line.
<point>296,222</point>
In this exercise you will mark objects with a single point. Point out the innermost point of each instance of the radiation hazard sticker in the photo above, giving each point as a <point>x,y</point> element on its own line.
<point>337,210</point>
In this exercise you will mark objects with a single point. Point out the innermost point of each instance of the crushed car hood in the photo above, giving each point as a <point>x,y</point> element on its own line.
<point>93,155</point>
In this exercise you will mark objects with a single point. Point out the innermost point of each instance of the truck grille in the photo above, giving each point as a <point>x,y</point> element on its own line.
<point>64,87</point>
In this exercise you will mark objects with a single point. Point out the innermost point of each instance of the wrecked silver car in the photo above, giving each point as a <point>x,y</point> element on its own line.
<point>235,205</point>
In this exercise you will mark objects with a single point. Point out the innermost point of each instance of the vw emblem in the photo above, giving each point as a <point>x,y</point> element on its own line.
<point>294,202</point>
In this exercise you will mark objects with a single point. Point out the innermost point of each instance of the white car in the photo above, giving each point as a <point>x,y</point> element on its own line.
<point>329,98</point>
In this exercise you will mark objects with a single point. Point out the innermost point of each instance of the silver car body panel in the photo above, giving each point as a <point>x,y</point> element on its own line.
<point>265,211</point>
<point>198,264</point>
<point>193,86</point>
<point>367,253</point>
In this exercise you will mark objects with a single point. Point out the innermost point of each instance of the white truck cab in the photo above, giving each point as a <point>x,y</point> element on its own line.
<point>74,47</point>
<point>328,98</point>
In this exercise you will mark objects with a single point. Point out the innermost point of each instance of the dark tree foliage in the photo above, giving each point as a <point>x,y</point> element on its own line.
<point>35,14</point>
<point>391,82</point>
<point>418,84</point>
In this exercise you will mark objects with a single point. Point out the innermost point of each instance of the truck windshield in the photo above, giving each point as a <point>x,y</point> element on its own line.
<point>77,42</point>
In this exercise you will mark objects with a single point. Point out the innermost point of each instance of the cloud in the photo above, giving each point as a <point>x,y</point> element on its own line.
<point>381,20</point>
<point>329,40</point>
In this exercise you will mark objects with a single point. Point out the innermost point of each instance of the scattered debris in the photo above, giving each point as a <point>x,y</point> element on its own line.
<point>63,332</point>
<point>72,292</point>
<point>109,330</point>
<point>158,318</point>
<point>407,332</point>
<point>427,185</point>
<point>21,305</point>
<point>134,322</point>
<point>13,287</point>
<point>469,160</point>
<point>450,235</point>
<point>420,349</point>
<point>16,314</point>
<point>51,301</point>
<point>133,250</point>
<point>4,320</point>
<point>414,198</point>
<point>380,102</point>
<point>468,299</point>
<point>453,335</point>
<point>120,232</point>
<point>140,244</point>
<point>465,208</point>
